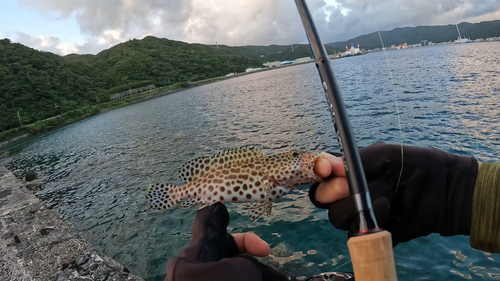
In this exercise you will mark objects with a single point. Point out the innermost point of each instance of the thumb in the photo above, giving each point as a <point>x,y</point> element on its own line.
<point>209,238</point>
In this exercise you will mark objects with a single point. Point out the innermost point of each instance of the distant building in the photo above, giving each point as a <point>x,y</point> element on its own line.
<point>304,59</point>
<point>130,92</point>
<point>424,43</point>
<point>253,69</point>
<point>402,46</point>
<point>271,64</point>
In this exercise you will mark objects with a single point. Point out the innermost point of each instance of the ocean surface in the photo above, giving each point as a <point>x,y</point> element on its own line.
<point>97,171</point>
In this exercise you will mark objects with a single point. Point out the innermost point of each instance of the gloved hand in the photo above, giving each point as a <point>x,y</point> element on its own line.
<point>433,195</point>
<point>213,254</point>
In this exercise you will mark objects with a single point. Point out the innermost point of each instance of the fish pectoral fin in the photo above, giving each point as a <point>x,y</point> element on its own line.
<point>269,208</point>
<point>256,210</point>
<point>268,185</point>
<point>203,206</point>
<point>188,203</point>
<point>250,206</point>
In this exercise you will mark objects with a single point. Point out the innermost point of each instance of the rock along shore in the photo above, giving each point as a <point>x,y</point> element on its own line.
<point>35,244</point>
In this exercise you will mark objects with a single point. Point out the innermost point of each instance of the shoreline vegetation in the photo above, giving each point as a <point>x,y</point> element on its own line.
<point>41,91</point>
<point>15,135</point>
<point>18,134</point>
<point>37,85</point>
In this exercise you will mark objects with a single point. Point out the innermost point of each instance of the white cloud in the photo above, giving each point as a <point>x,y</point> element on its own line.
<point>110,37</point>
<point>244,22</point>
<point>66,49</point>
<point>45,43</point>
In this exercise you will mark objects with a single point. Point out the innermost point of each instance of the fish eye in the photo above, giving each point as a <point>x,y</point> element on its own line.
<point>295,154</point>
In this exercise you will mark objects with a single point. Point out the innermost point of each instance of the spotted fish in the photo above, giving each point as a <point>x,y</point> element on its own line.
<point>237,176</point>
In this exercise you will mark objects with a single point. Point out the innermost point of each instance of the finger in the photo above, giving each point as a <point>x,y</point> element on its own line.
<point>332,190</point>
<point>252,244</point>
<point>323,168</point>
<point>332,166</point>
<point>337,163</point>
<point>208,237</point>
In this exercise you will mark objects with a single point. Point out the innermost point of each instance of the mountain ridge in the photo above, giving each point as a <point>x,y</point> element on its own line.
<point>414,35</point>
<point>40,84</point>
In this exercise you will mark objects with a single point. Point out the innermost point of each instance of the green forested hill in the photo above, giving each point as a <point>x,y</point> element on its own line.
<point>41,85</point>
<point>32,82</point>
<point>413,35</point>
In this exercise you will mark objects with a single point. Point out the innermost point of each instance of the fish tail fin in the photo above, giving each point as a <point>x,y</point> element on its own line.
<point>163,196</point>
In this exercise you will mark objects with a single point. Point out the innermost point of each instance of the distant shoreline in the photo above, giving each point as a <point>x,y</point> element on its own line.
<point>15,136</point>
<point>23,134</point>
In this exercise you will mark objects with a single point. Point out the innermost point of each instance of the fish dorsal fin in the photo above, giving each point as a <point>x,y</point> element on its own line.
<point>194,168</point>
<point>198,166</point>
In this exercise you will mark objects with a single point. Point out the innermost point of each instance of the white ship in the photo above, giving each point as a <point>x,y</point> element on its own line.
<point>353,51</point>
<point>462,40</point>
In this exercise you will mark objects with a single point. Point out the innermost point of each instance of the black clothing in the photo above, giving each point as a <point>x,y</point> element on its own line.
<point>212,254</point>
<point>434,195</point>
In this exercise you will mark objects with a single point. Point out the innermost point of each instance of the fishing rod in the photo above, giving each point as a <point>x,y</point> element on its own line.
<point>371,248</point>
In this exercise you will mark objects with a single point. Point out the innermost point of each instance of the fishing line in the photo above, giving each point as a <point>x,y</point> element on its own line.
<point>363,249</point>
<point>397,108</point>
<point>401,135</point>
<point>469,132</point>
<point>335,269</point>
<point>451,10</point>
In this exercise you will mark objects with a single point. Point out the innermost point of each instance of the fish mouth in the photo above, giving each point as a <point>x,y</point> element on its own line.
<point>308,163</point>
<point>317,156</point>
<point>309,171</point>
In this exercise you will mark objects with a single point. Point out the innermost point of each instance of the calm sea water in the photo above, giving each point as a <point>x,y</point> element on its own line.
<point>97,170</point>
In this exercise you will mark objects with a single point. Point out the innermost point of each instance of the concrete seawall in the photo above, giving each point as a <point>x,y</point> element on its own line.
<point>36,245</point>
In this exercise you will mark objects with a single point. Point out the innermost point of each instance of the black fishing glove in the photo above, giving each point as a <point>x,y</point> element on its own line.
<point>212,254</point>
<point>434,195</point>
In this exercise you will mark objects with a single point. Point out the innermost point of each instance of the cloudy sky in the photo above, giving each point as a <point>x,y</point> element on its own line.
<point>89,26</point>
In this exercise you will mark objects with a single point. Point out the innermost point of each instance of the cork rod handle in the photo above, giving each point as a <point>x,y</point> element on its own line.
<point>372,257</point>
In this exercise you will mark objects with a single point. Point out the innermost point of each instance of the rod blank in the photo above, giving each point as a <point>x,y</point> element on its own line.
<point>358,187</point>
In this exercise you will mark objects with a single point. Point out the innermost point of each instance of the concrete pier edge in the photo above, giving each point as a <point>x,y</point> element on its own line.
<point>35,244</point>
